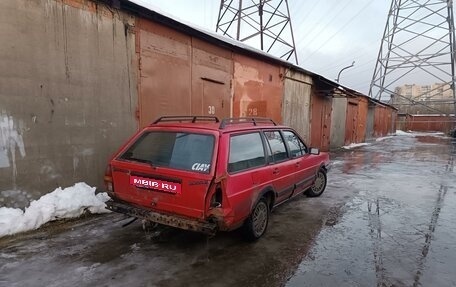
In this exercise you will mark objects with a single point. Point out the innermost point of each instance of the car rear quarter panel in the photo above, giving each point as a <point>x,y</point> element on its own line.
<point>241,188</point>
<point>319,161</point>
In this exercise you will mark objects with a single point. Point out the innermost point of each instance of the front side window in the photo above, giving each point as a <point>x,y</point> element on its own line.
<point>177,150</point>
<point>296,146</point>
<point>277,145</point>
<point>246,151</point>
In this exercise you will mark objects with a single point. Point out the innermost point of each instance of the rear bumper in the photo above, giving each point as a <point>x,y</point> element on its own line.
<point>165,219</point>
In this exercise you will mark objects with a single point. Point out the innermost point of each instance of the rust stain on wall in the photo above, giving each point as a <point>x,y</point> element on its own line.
<point>81,4</point>
<point>258,89</point>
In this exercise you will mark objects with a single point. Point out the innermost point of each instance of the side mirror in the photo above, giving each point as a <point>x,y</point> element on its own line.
<point>314,151</point>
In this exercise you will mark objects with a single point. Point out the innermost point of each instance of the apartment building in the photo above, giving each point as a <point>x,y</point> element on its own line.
<point>423,99</point>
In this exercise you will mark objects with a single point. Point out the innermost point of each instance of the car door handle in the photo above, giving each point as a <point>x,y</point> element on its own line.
<point>298,164</point>
<point>276,171</point>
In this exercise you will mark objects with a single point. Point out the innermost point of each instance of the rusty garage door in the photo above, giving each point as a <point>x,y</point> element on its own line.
<point>351,123</point>
<point>362,119</point>
<point>180,75</point>
<point>320,130</point>
<point>212,69</point>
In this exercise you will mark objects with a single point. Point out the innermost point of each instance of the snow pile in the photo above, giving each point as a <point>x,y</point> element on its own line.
<point>415,134</point>
<point>61,203</point>
<point>402,133</point>
<point>383,138</point>
<point>354,145</point>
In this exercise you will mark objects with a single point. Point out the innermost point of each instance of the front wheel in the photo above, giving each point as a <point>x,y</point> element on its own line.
<point>319,185</point>
<point>256,224</point>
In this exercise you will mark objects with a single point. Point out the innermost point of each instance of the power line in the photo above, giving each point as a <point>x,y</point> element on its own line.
<point>336,15</point>
<point>304,17</point>
<point>338,31</point>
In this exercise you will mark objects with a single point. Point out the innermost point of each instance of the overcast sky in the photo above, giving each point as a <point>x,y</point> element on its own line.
<point>329,34</point>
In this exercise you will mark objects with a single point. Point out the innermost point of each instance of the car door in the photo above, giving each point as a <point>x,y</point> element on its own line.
<point>247,171</point>
<point>304,166</point>
<point>280,167</point>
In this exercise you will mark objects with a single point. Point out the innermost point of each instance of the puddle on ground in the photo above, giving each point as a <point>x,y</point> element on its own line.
<point>399,230</point>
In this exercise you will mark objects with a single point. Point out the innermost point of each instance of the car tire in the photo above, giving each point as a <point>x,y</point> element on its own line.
<point>319,186</point>
<point>257,222</point>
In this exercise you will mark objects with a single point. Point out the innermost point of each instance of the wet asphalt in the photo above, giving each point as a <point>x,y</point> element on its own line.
<point>386,219</point>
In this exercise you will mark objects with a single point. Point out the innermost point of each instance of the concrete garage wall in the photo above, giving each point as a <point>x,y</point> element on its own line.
<point>67,93</point>
<point>338,118</point>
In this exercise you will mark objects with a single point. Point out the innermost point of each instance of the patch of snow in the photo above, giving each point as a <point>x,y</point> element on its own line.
<point>134,247</point>
<point>415,133</point>
<point>436,134</point>
<point>87,272</point>
<point>85,269</point>
<point>383,138</point>
<point>402,133</point>
<point>61,203</point>
<point>7,256</point>
<point>336,162</point>
<point>355,145</point>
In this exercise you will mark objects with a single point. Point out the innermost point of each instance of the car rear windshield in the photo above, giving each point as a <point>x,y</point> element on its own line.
<point>187,151</point>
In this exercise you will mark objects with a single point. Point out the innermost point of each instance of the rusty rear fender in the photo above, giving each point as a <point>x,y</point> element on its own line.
<point>223,215</point>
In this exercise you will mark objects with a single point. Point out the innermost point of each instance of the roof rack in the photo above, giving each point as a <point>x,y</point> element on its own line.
<point>192,119</point>
<point>254,121</point>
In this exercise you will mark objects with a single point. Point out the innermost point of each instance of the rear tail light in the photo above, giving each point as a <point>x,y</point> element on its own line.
<point>108,179</point>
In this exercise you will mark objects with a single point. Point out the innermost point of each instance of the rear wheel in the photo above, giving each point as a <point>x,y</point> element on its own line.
<point>255,226</point>
<point>319,185</point>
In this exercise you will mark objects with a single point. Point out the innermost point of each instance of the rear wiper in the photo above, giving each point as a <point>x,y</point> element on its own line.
<point>139,159</point>
<point>149,162</point>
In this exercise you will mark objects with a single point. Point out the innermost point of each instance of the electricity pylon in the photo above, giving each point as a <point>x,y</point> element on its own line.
<point>418,47</point>
<point>263,24</point>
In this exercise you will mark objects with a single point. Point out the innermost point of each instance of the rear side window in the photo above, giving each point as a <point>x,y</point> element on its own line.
<point>185,151</point>
<point>296,146</point>
<point>278,149</point>
<point>246,151</point>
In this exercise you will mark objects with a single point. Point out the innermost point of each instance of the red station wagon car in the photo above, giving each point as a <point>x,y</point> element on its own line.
<point>201,174</point>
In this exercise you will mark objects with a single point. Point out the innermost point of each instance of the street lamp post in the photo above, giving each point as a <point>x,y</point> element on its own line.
<point>344,68</point>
